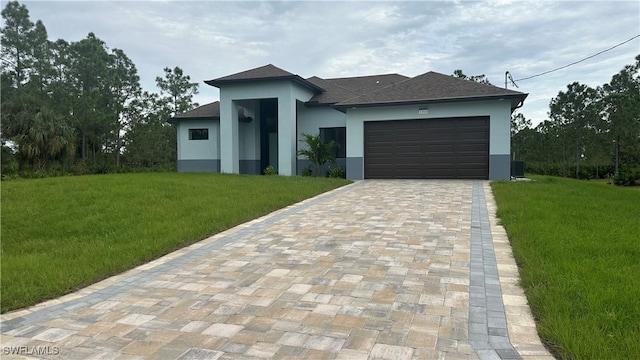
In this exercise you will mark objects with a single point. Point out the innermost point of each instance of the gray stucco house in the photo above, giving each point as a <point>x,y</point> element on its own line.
<point>388,126</point>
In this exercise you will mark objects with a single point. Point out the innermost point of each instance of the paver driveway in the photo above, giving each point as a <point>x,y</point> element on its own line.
<point>375,270</point>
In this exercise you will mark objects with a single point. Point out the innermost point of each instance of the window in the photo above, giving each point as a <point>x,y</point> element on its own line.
<point>198,134</point>
<point>339,135</point>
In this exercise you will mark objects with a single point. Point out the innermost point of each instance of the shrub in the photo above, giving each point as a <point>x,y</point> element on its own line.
<point>306,171</point>
<point>270,171</point>
<point>337,172</point>
<point>587,171</point>
<point>9,163</point>
<point>80,168</point>
<point>627,177</point>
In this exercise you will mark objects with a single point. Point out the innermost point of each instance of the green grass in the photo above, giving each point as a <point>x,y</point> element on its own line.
<point>577,244</point>
<point>61,234</point>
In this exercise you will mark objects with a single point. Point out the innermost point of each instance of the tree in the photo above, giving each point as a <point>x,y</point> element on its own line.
<point>61,79</point>
<point>16,53</point>
<point>16,47</point>
<point>150,140</point>
<point>596,129</point>
<point>41,69</point>
<point>520,128</point>
<point>177,89</point>
<point>88,77</point>
<point>53,91</point>
<point>552,148</point>
<point>574,111</point>
<point>621,103</point>
<point>124,84</point>
<point>477,78</point>
<point>317,151</point>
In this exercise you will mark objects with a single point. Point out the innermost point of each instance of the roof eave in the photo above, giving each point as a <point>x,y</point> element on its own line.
<point>519,97</point>
<point>295,78</point>
<point>318,104</point>
<point>174,120</point>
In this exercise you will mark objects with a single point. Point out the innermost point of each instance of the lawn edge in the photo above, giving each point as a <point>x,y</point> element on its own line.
<point>521,325</point>
<point>104,283</point>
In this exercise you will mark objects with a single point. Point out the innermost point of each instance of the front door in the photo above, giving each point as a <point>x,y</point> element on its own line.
<point>268,133</point>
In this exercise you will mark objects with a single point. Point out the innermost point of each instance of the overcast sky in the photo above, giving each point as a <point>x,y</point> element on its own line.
<point>210,39</point>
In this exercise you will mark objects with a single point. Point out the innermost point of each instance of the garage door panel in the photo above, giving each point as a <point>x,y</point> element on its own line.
<point>404,161</point>
<point>383,162</point>
<point>471,147</point>
<point>408,149</point>
<point>429,148</point>
<point>439,153</point>
<point>477,158</point>
<point>444,159</point>
<point>439,136</point>
<point>471,136</point>
<point>382,149</point>
<point>381,139</point>
<point>476,163</point>
<point>407,169</point>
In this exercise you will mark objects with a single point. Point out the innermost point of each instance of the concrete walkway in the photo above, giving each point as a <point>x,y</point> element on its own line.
<point>375,270</point>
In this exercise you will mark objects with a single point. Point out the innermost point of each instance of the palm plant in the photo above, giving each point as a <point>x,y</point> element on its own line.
<point>43,136</point>
<point>317,151</point>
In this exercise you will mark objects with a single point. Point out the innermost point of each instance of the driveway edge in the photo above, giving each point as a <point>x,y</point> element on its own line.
<point>29,314</point>
<point>520,323</point>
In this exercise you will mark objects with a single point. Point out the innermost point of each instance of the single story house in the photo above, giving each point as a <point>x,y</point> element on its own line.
<point>387,126</point>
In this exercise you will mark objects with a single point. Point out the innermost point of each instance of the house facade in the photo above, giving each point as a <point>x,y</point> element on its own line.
<point>432,126</point>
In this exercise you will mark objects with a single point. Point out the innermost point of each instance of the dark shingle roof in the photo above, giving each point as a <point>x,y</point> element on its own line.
<point>333,92</point>
<point>209,111</point>
<point>388,89</point>
<point>340,89</point>
<point>264,73</point>
<point>430,86</point>
<point>365,84</point>
<point>206,111</point>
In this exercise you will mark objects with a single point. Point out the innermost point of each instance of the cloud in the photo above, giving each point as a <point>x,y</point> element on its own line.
<point>210,39</point>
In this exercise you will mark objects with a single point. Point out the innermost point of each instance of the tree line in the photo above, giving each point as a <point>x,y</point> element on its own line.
<point>591,132</point>
<point>78,107</point>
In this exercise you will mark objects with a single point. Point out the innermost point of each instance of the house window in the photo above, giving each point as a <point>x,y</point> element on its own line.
<point>198,134</point>
<point>339,135</point>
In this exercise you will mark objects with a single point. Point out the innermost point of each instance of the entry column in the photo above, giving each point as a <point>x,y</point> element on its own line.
<point>287,136</point>
<point>229,149</point>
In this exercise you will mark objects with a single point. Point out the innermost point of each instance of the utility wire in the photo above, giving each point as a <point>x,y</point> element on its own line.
<point>579,61</point>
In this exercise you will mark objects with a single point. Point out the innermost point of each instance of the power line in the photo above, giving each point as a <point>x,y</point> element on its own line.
<point>579,61</point>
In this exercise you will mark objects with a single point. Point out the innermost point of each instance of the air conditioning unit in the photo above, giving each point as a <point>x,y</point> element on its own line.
<point>517,169</point>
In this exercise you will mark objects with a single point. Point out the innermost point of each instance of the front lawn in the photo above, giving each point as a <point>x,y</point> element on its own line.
<point>577,245</point>
<point>61,234</point>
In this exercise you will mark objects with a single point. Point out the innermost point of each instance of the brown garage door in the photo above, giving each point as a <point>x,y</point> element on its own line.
<point>449,148</point>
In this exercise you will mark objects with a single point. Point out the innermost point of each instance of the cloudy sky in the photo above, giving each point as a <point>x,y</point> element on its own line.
<point>210,39</point>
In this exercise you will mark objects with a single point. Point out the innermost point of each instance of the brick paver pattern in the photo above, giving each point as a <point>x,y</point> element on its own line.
<point>374,270</point>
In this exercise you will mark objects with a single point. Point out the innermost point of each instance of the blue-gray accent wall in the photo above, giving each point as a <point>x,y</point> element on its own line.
<point>250,167</point>
<point>198,165</point>
<point>499,167</point>
<point>302,163</point>
<point>355,168</point>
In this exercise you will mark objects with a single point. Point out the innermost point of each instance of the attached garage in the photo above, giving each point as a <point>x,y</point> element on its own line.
<point>440,148</point>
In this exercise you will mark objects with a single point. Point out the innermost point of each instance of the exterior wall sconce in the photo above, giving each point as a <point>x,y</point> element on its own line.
<point>241,117</point>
